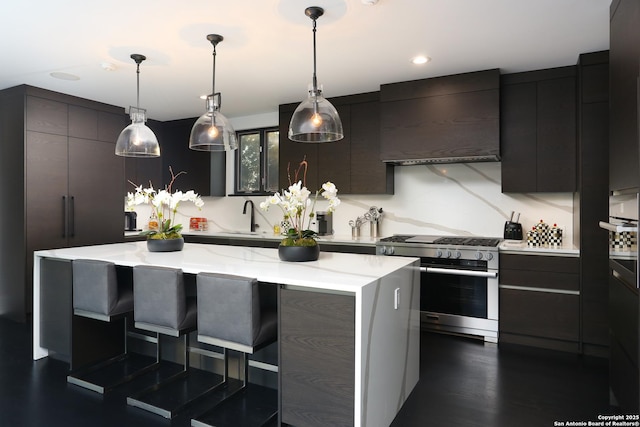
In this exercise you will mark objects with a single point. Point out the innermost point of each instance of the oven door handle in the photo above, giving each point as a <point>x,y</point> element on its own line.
<point>618,228</point>
<point>456,272</point>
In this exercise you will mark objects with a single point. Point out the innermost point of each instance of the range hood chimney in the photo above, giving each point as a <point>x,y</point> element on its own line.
<point>448,119</point>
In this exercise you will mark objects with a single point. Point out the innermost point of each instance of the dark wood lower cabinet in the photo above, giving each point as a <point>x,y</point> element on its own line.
<point>317,358</point>
<point>540,301</point>
<point>537,315</point>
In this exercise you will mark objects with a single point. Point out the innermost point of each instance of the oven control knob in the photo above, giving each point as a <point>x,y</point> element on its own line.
<point>457,255</point>
<point>489,256</point>
<point>390,250</point>
<point>382,250</point>
<point>478,255</point>
<point>438,253</point>
<point>448,254</point>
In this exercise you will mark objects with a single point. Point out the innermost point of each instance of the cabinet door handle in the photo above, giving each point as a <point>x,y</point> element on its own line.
<point>65,222</point>
<point>72,216</point>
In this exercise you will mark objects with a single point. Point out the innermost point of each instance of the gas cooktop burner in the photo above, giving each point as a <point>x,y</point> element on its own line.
<point>468,241</point>
<point>396,238</point>
<point>446,240</point>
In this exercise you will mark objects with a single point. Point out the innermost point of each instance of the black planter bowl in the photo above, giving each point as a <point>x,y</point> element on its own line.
<point>298,253</point>
<point>165,245</point>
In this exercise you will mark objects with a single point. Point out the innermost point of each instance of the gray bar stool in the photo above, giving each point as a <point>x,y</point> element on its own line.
<point>161,305</point>
<point>99,295</point>
<point>233,316</point>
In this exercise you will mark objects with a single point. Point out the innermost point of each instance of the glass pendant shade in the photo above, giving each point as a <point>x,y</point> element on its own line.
<point>137,140</point>
<point>315,120</point>
<point>213,131</point>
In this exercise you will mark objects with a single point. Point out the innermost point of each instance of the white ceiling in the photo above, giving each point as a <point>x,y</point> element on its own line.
<point>266,56</point>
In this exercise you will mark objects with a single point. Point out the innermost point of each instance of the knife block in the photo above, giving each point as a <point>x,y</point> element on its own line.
<point>512,230</point>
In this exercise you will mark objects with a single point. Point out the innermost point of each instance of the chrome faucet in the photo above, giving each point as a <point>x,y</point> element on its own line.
<point>244,212</point>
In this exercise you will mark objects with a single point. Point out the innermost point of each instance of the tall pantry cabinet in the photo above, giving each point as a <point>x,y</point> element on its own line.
<point>60,182</point>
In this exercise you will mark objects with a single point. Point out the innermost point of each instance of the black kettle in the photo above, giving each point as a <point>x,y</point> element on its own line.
<point>130,221</point>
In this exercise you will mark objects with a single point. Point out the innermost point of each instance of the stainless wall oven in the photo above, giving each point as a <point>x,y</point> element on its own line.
<point>459,281</point>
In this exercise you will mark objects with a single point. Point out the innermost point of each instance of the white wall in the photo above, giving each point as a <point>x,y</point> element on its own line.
<point>452,199</point>
<point>457,199</point>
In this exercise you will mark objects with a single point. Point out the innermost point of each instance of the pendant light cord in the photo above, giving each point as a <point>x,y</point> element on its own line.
<point>213,79</point>
<point>138,86</point>
<point>315,80</point>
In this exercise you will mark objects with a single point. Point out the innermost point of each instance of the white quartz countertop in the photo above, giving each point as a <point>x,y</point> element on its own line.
<point>507,246</point>
<point>333,271</point>
<point>520,247</point>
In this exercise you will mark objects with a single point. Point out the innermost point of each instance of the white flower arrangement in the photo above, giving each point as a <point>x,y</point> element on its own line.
<point>165,205</point>
<point>295,202</point>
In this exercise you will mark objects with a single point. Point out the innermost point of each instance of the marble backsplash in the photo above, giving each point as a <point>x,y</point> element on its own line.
<point>447,199</point>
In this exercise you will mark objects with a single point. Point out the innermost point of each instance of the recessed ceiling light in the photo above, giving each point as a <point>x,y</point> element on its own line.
<point>420,59</point>
<point>64,76</point>
<point>107,66</point>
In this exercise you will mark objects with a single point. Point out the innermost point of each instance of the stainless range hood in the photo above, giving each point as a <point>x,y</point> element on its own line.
<point>449,119</point>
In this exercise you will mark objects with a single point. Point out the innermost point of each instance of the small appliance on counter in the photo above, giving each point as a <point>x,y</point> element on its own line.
<point>198,224</point>
<point>512,228</point>
<point>130,221</point>
<point>325,223</point>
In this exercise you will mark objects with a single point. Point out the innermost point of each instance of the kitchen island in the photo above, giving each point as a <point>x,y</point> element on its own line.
<point>379,294</point>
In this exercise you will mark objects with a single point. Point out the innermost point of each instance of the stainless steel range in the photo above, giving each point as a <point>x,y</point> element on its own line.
<point>458,284</point>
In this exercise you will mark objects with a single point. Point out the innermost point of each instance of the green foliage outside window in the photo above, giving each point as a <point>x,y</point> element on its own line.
<point>257,161</point>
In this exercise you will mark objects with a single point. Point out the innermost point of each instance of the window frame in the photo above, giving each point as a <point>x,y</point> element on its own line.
<point>263,179</point>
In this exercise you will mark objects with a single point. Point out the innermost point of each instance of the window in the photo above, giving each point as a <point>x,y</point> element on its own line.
<point>257,161</point>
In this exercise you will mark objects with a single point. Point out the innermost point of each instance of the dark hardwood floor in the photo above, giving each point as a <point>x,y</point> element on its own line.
<point>463,383</point>
<point>466,383</point>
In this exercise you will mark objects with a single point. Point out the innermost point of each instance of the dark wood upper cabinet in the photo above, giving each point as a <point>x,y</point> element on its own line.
<point>334,159</point>
<point>371,176</point>
<point>83,122</point>
<point>173,137</point>
<point>110,125</point>
<point>446,119</point>
<point>292,153</point>
<point>538,131</point>
<point>624,63</point>
<point>47,115</point>
<point>144,170</point>
<point>353,164</point>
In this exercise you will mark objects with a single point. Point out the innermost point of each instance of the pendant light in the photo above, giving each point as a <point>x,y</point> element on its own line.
<point>137,140</point>
<point>315,119</point>
<point>213,131</point>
